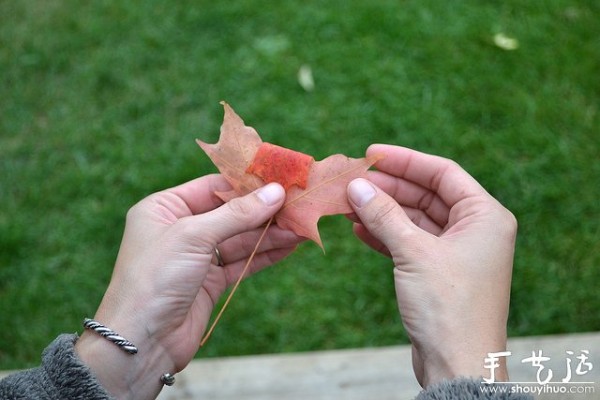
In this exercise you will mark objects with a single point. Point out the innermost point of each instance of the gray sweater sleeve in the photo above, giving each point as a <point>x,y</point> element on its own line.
<point>470,389</point>
<point>61,376</point>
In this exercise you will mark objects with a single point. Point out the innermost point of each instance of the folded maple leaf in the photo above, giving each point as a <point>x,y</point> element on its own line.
<point>313,188</point>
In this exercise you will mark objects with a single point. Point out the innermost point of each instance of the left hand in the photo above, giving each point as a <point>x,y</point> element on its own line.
<point>166,281</point>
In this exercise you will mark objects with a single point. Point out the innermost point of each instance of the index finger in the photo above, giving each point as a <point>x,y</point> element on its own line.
<point>440,175</point>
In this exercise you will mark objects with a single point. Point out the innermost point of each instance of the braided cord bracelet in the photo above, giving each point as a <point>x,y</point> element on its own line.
<point>111,335</point>
<point>88,323</point>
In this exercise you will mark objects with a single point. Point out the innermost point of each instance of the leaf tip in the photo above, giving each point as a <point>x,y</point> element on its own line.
<point>322,247</point>
<point>203,145</point>
<point>372,159</point>
<point>226,106</point>
<point>230,118</point>
<point>317,239</point>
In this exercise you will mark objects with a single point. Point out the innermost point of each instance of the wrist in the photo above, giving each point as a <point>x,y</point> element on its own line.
<point>462,357</point>
<point>472,366</point>
<point>124,375</point>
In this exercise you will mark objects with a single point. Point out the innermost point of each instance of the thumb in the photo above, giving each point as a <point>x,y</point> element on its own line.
<point>381,215</point>
<point>238,215</point>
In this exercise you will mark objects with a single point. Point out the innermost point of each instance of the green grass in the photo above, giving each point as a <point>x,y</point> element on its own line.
<point>100,103</point>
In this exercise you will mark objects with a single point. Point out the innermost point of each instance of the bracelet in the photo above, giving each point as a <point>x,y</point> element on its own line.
<point>167,379</point>
<point>113,336</point>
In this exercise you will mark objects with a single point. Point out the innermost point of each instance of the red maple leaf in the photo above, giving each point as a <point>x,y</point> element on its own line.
<point>313,189</point>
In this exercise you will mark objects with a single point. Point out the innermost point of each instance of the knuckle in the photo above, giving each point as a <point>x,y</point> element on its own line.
<point>186,228</point>
<point>506,222</point>
<point>247,243</point>
<point>186,234</point>
<point>510,222</point>
<point>132,212</point>
<point>426,200</point>
<point>242,209</point>
<point>136,211</point>
<point>381,217</point>
<point>450,166</point>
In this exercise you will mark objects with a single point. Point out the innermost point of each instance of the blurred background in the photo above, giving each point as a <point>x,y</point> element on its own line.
<point>100,103</point>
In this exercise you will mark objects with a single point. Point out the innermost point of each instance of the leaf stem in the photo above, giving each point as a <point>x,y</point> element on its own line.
<point>236,285</point>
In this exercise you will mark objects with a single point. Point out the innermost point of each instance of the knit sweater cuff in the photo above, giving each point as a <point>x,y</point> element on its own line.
<point>62,375</point>
<point>470,389</point>
<point>67,373</point>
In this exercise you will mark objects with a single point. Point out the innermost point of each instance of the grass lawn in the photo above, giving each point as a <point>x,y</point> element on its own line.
<point>100,103</point>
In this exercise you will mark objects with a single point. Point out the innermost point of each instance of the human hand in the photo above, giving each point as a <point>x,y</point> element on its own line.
<point>166,279</point>
<point>452,245</point>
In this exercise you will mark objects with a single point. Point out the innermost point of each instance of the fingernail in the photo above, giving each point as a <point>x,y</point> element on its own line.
<point>271,193</point>
<point>360,192</point>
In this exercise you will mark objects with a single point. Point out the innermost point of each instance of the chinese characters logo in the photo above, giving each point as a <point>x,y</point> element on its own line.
<point>544,375</point>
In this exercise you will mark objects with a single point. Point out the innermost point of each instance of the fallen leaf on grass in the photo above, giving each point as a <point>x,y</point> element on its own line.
<point>305,78</point>
<point>505,42</point>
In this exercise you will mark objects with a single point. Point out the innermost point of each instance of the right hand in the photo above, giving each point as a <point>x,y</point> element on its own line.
<point>452,245</point>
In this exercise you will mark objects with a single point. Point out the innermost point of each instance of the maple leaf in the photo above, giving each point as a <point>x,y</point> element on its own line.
<point>313,189</point>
